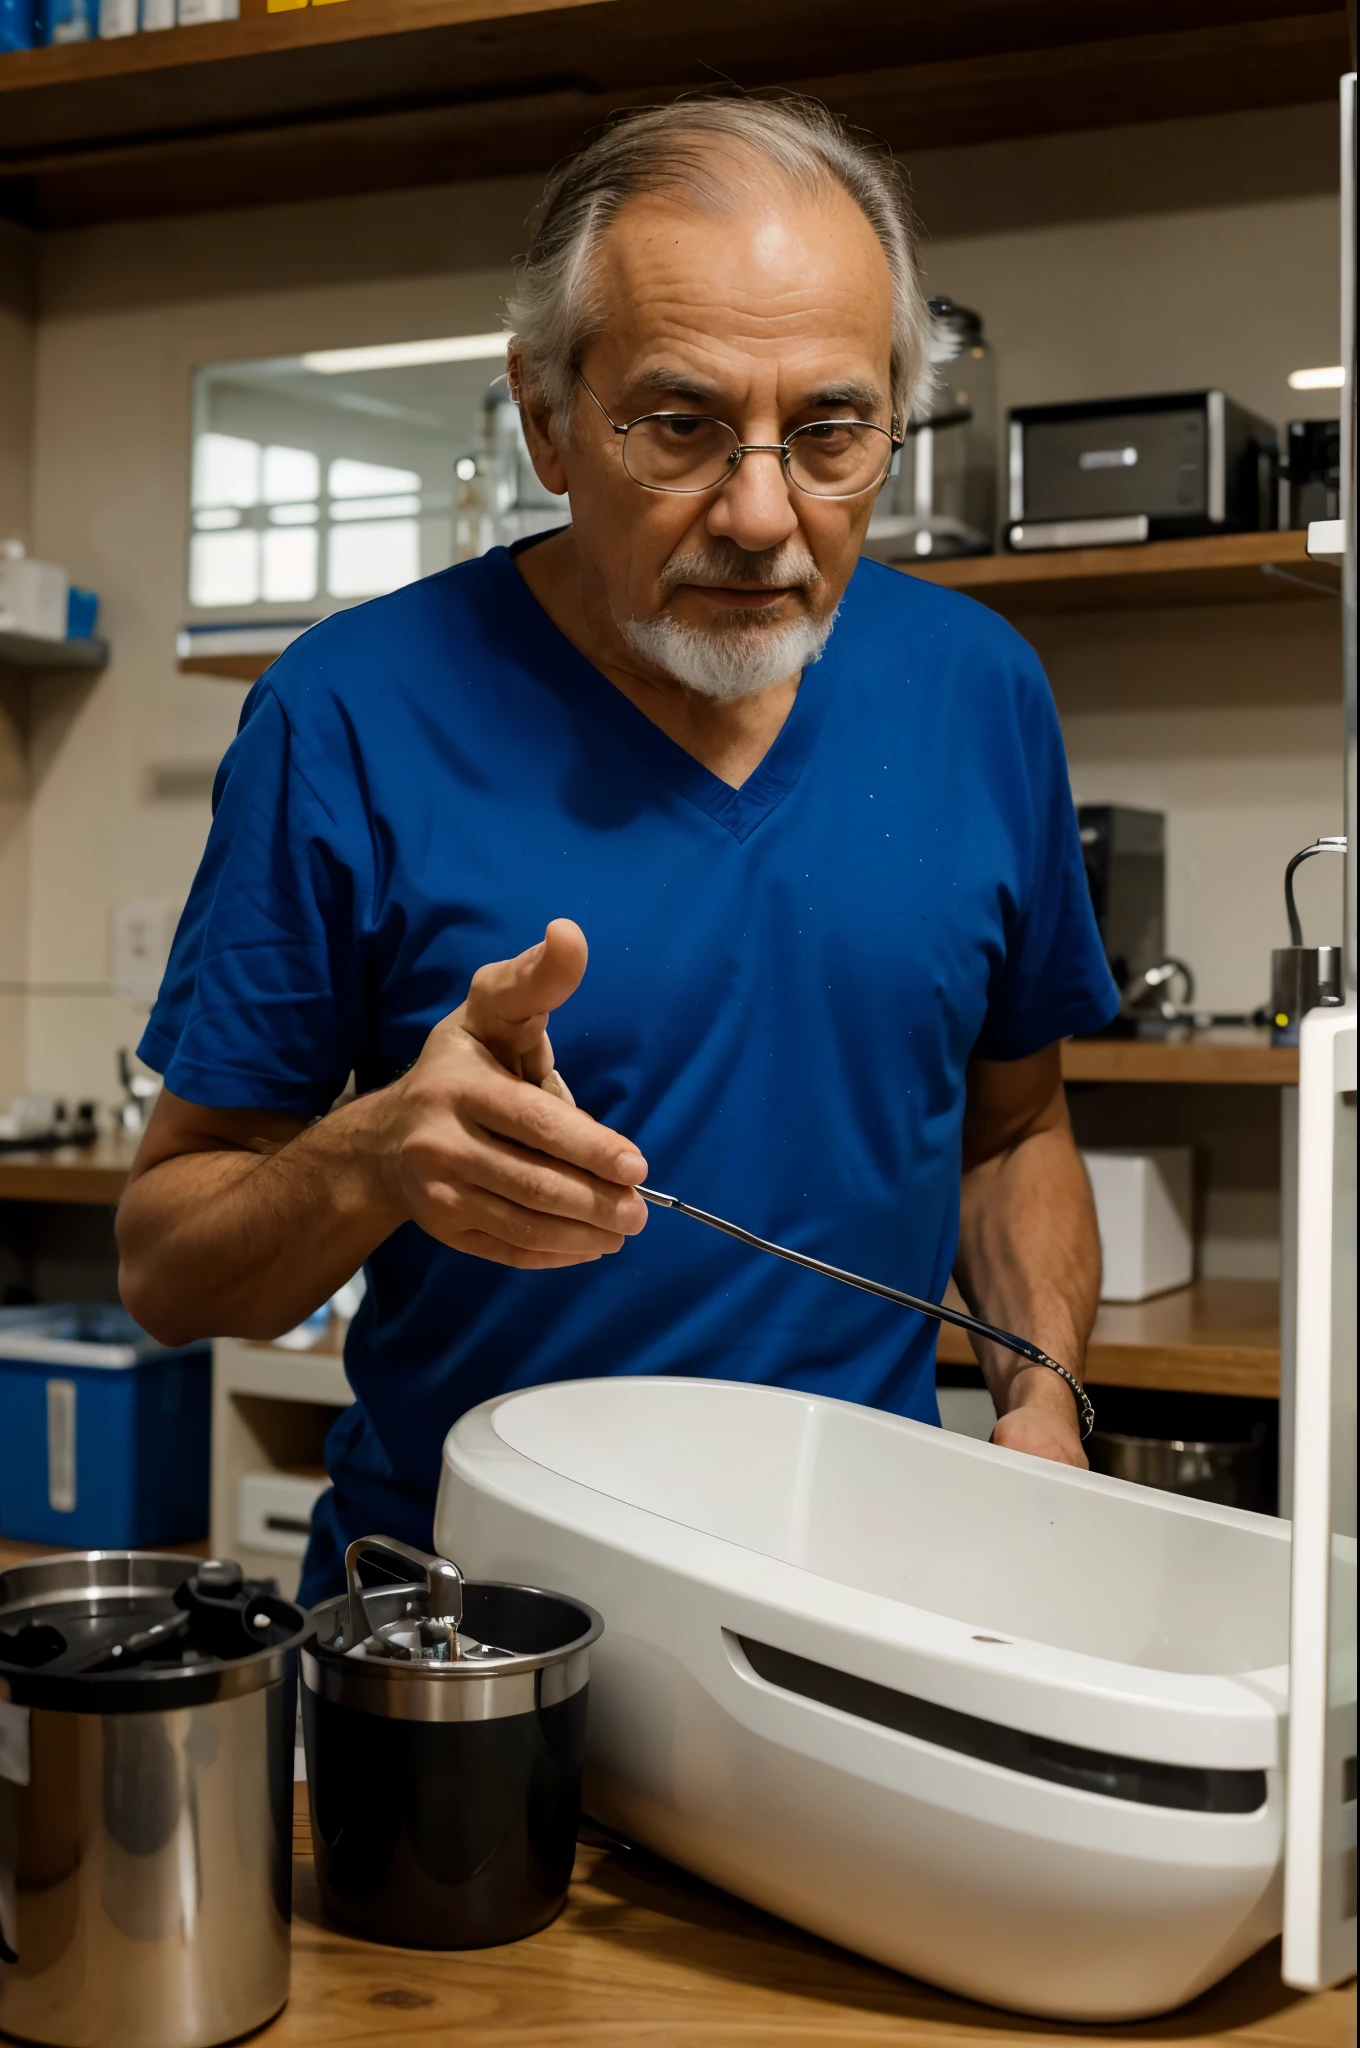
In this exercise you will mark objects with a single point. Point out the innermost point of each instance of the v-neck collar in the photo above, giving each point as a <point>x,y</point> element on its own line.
<point>566,671</point>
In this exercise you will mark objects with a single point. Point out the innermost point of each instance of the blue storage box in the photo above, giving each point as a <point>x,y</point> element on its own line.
<point>104,1434</point>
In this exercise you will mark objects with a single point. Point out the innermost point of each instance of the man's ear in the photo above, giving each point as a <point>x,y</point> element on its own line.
<point>540,430</point>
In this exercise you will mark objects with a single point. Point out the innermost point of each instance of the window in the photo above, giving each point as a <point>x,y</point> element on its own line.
<point>322,480</point>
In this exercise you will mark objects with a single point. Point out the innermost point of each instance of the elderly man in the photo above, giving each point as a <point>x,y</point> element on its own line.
<point>812,814</point>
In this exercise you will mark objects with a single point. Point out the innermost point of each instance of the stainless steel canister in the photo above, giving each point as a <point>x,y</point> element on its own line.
<point>446,1728</point>
<point>145,1801</point>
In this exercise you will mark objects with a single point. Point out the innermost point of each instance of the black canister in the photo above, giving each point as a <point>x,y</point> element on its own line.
<point>445,1726</point>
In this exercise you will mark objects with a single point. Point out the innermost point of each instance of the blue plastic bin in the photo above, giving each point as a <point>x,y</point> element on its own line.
<point>104,1434</point>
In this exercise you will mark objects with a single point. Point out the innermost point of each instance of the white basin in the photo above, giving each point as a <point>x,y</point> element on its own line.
<point>1012,1728</point>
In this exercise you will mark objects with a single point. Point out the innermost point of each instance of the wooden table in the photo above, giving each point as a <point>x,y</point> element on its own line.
<point>644,1954</point>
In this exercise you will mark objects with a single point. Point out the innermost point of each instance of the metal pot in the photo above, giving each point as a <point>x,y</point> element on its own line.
<point>1229,1473</point>
<point>146,1778</point>
<point>445,1726</point>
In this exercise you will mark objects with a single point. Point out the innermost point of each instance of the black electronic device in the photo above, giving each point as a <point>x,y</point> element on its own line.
<point>1311,472</point>
<point>1125,855</point>
<point>1115,471</point>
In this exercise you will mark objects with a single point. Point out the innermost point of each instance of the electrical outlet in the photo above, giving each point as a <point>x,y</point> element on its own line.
<point>143,931</point>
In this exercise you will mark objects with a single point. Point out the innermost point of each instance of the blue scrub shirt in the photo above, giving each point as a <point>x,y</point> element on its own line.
<point>786,981</point>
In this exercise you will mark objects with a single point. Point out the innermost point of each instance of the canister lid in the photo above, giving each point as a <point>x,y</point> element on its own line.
<point>391,1651</point>
<point>122,1631</point>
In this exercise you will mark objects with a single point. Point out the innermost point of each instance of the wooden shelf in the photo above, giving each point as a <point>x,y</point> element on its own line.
<point>1217,1337</point>
<point>383,93</point>
<point>28,651</point>
<point>1232,568</point>
<point>89,1174</point>
<point>1226,1057</point>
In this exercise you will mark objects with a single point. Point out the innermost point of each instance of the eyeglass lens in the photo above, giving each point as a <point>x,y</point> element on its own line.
<point>687,452</point>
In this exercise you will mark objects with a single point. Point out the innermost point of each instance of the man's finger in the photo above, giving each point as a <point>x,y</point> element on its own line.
<point>550,1078</point>
<point>479,1245</point>
<point>476,1209</point>
<point>534,1118</point>
<point>510,1001</point>
<point>549,1187</point>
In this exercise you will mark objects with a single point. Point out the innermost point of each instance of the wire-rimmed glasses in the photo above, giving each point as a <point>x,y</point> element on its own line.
<point>688,453</point>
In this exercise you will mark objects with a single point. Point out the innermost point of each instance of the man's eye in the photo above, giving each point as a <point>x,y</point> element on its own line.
<point>829,432</point>
<point>683,427</point>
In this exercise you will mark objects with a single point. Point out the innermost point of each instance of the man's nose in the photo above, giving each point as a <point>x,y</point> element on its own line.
<point>755,507</point>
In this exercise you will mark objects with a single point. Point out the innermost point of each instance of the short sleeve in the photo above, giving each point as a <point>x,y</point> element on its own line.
<point>262,1004</point>
<point>1053,981</point>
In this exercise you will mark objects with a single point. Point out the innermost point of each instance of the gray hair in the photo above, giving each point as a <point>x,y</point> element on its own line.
<point>671,149</point>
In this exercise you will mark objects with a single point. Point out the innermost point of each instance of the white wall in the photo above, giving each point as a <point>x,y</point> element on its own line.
<point>18,305</point>
<point>1226,719</point>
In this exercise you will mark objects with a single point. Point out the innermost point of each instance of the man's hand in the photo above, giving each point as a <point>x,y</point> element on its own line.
<point>239,1222</point>
<point>481,1156</point>
<point>1041,1420</point>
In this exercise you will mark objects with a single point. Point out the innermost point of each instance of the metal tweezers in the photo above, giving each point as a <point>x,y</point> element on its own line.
<point>1020,1345</point>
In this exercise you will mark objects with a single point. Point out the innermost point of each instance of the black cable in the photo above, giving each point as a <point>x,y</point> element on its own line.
<point>1005,1338</point>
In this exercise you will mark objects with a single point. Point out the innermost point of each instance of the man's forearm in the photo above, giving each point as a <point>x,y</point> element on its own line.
<point>1029,1256</point>
<point>245,1243</point>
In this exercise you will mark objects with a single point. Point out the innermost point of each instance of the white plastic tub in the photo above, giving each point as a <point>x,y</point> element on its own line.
<point>794,1589</point>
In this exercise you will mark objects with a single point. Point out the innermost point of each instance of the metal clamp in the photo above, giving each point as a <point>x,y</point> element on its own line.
<point>443,1583</point>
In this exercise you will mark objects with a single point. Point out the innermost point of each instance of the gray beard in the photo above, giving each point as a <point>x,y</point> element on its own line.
<point>745,655</point>
<point>735,662</point>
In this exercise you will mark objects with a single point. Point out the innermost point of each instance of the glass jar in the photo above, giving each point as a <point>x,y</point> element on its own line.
<point>941,494</point>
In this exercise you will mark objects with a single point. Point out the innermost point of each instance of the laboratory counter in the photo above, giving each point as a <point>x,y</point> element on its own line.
<point>645,1953</point>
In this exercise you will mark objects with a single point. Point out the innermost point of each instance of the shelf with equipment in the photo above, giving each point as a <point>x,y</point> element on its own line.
<point>1241,568</point>
<point>386,93</point>
<point>272,1408</point>
<point>1215,569</point>
<point>98,1173</point>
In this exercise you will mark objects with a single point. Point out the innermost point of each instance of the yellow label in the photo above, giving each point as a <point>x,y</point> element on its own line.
<point>283,6</point>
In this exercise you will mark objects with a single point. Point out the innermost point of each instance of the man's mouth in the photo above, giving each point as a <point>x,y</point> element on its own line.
<point>733,582</point>
<point>740,597</point>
